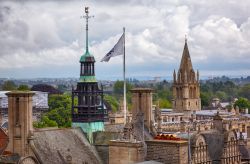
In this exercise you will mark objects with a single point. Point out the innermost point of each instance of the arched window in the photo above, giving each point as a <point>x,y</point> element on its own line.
<point>165,119</point>
<point>190,93</point>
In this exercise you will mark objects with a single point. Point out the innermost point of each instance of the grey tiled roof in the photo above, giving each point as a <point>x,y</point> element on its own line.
<point>59,145</point>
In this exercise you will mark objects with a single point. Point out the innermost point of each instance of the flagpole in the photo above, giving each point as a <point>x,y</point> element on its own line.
<point>124,82</point>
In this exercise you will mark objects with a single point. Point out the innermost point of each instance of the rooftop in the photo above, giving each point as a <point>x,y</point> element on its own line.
<point>58,145</point>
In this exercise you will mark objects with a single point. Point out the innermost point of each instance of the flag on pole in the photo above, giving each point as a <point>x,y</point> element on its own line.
<point>118,49</point>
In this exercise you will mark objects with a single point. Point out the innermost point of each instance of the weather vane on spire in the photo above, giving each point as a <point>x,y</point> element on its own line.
<point>87,27</point>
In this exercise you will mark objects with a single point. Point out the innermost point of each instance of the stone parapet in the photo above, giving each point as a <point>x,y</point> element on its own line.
<point>124,152</point>
<point>167,151</point>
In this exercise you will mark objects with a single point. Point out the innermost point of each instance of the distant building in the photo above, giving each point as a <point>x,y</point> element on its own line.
<point>40,100</point>
<point>39,105</point>
<point>186,89</point>
<point>3,100</point>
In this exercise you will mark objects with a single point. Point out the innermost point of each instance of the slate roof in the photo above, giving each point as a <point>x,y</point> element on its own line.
<point>244,152</point>
<point>215,141</point>
<point>55,146</point>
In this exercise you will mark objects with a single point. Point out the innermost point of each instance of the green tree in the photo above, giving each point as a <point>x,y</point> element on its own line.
<point>61,116</point>
<point>221,95</point>
<point>45,122</point>
<point>59,112</point>
<point>245,91</point>
<point>57,101</point>
<point>205,98</point>
<point>118,91</point>
<point>23,87</point>
<point>62,88</point>
<point>242,103</point>
<point>118,87</point>
<point>164,103</point>
<point>112,101</point>
<point>9,86</point>
<point>223,90</point>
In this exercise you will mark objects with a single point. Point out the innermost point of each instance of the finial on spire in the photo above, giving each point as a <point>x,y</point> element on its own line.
<point>198,76</point>
<point>174,76</point>
<point>87,26</point>
<point>185,38</point>
<point>87,10</point>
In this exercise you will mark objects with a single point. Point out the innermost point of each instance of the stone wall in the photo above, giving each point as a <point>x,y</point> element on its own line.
<point>180,126</point>
<point>103,151</point>
<point>125,152</point>
<point>168,152</point>
<point>101,143</point>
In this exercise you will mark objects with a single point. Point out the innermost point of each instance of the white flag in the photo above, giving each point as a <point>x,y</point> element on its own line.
<point>118,49</point>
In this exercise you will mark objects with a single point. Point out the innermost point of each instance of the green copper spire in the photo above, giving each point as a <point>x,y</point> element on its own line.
<point>87,60</point>
<point>86,54</point>
<point>87,28</point>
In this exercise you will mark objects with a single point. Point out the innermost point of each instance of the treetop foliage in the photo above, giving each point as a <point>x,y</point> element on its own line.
<point>59,113</point>
<point>9,86</point>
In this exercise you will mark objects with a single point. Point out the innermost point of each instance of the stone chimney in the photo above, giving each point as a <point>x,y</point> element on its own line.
<point>237,110</point>
<point>216,102</point>
<point>142,102</point>
<point>183,126</point>
<point>218,122</point>
<point>20,128</point>
<point>158,118</point>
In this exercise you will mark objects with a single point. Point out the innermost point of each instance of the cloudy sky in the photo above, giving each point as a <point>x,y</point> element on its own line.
<point>46,38</point>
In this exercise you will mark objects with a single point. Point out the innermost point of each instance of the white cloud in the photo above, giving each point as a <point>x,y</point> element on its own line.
<point>220,38</point>
<point>49,33</point>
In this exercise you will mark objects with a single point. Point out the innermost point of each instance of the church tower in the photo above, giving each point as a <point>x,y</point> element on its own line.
<point>186,87</point>
<point>87,99</point>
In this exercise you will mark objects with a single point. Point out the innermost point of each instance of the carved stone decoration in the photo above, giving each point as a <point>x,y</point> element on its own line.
<point>158,118</point>
<point>28,160</point>
<point>134,129</point>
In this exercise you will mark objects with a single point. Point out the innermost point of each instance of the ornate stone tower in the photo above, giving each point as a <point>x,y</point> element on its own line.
<point>186,88</point>
<point>20,128</point>
<point>88,113</point>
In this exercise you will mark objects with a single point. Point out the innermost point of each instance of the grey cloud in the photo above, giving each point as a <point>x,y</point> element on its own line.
<point>20,30</point>
<point>52,31</point>
<point>4,11</point>
<point>13,33</point>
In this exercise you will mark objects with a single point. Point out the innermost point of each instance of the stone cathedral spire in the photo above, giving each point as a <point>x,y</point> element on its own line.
<point>186,87</point>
